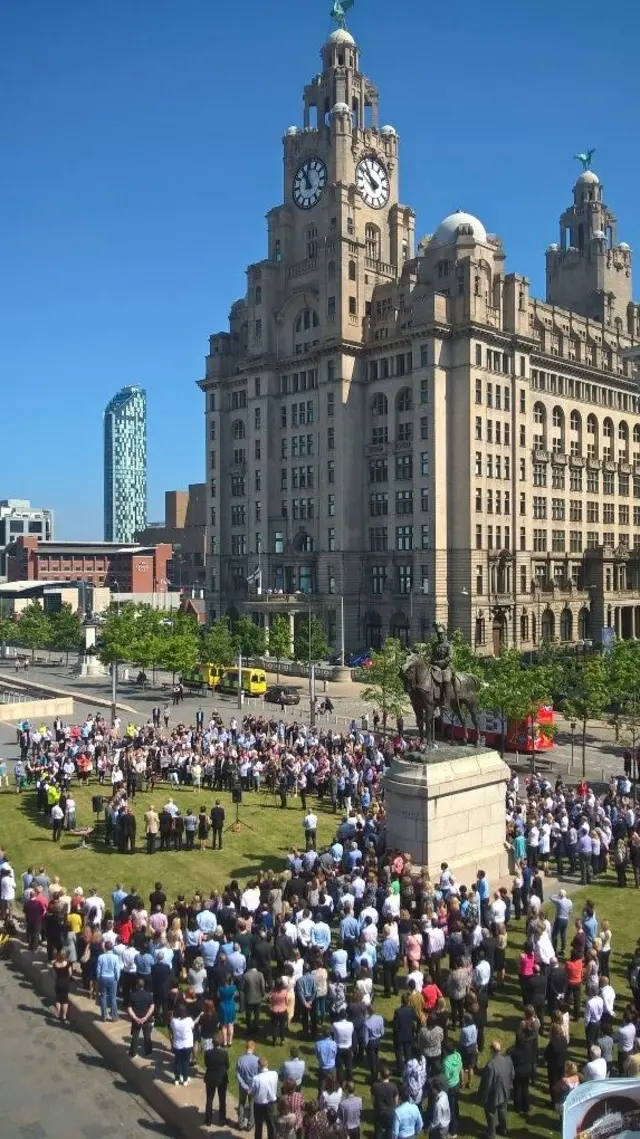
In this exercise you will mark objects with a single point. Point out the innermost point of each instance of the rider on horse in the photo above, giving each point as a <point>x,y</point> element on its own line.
<point>442,673</point>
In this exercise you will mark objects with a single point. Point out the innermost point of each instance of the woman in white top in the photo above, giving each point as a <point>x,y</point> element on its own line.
<point>364,986</point>
<point>7,889</point>
<point>181,1029</point>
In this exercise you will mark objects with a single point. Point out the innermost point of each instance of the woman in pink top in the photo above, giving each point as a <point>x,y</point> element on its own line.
<point>413,948</point>
<point>526,966</point>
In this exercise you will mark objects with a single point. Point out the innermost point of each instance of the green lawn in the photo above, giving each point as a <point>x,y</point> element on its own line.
<point>28,842</point>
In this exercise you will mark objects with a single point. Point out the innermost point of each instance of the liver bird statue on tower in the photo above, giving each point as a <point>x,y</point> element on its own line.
<point>339,11</point>
<point>585,158</point>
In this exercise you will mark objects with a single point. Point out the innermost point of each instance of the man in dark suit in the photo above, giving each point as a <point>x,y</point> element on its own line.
<point>199,719</point>
<point>217,823</point>
<point>128,829</point>
<point>216,1079</point>
<point>166,822</point>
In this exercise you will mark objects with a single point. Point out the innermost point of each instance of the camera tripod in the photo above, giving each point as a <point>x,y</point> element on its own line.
<point>237,824</point>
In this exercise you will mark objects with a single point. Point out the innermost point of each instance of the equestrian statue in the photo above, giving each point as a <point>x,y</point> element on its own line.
<point>432,685</point>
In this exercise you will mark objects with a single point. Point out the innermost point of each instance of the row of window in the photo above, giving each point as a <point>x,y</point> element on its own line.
<point>298,414</point>
<point>558,510</point>
<point>379,503</point>
<point>495,466</point>
<point>499,398</point>
<point>404,401</point>
<point>382,579</point>
<point>581,389</point>
<point>594,480</point>
<point>498,538</point>
<point>498,432</point>
<point>404,432</point>
<point>301,478</point>
<point>404,538</point>
<point>299,381</point>
<point>496,361</point>
<point>379,468</point>
<point>502,503</point>
<point>397,365</point>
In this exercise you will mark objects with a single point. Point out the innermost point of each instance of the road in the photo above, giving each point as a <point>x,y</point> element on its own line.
<point>54,1084</point>
<point>603,756</point>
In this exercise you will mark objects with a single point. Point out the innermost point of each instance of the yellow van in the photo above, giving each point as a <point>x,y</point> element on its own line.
<point>254,681</point>
<point>204,674</point>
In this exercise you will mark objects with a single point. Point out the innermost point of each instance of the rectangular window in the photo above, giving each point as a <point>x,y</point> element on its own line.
<point>489,431</point>
<point>478,391</point>
<point>539,541</point>
<point>405,580</point>
<point>331,539</point>
<point>378,579</point>
<point>478,427</point>
<point>424,391</point>
<point>378,539</point>
<point>331,471</point>
<point>424,536</point>
<point>608,514</point>
<point>331,404</point>
<point>478,536</point>
<point>404,467</point>
<point>379,504</point>
<point>593,512</point>
<point>378,470</point>
<point>331,505</point>
<point>558,541</point>
<point>424,500</point>
<point>404,537</point>
<point>478,464</point>
<point>557,509</point>
<point>404,502</point>
<point>424,464</point>
<point>489,395</point>
<point>352,306</point>
<point>331,439</point>
<point>424,427</point>
<point>623,515</point>
<point>424,355</point>
<point>557,478</point>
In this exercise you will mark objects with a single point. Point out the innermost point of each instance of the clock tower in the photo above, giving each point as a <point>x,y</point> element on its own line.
<point>340,206</point>
<point>286,386</point>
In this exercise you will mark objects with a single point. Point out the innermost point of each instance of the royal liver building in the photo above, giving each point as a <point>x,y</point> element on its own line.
<point>398,432</point>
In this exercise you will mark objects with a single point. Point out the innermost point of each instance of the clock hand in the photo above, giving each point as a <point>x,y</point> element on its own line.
<point>375,185</point>
<point>307,182</point>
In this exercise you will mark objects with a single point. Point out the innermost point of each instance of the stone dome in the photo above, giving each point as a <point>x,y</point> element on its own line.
<point>292,130</point>
<point>598,235</point>
<point>459,224</point>
<point>341,36</point>
<point>588,177</point>
<point>624,245</point>
<point>553,248</point>
<point>340,109</point>
<point>388,130</point>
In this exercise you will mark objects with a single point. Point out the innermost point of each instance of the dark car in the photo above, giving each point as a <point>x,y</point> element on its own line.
<point>275,694</point>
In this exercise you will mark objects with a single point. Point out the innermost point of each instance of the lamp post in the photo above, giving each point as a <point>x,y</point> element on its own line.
<point>312,672</point>
<point>573,740</point>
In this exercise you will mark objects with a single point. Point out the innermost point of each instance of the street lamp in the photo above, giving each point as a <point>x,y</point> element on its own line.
<point>573,740</point>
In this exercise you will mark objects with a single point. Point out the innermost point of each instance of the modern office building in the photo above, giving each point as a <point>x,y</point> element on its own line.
<point>405,433</point>
<point>185,530</point>
<point>18,517</point>
<point>125,465</point>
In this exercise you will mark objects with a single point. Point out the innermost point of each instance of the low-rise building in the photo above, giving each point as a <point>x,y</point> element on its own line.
<point>17,517</point>
<point>132,569</point>
<point>185,530</point>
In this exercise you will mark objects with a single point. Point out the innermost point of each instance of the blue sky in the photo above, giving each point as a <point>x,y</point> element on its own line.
<point>141,147</point>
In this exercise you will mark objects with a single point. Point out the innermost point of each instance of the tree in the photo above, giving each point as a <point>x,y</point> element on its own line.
<point>33,627</point>
<point>218,645</point>
<point>309,640</point>
<point>179,651</point>
<point>385,689</point>
<point>116,640</point>
<point>251,638</point>
<point>280,642</point>
<point>66,629</point>
<point>588,692</point>
<point>515,692</point>
<point>622,663</point>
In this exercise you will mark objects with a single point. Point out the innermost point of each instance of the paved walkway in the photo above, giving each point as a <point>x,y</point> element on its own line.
<point>54,1084</point>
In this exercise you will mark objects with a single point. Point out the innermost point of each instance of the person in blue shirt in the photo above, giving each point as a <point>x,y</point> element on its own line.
<point>108,969</point>
<point>390,953</point>
<point>407,1119</point>
<point>117,898</point>
<point>482,889</point>
<point>144,964</point>
<point>326,1051</point>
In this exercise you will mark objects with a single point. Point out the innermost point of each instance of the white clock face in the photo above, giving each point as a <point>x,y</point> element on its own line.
<point>372,181</point>
<point>309,183</point>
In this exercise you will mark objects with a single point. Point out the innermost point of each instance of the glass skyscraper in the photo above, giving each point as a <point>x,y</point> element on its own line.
<point>125,465</point>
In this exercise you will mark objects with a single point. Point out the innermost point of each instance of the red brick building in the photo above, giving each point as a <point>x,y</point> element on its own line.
<point>123,569</point>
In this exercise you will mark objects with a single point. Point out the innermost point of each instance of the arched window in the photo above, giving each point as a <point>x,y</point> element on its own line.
<point>548,625</point>
<point>379,405</point>
<point>575,445</point>
<point>258,294</point>
<point>277,251</point>
<point>607,439</point>
<point>540,425</point>
<point>372,241</point>
<point>583,623</point>
<point>331,269</point>
<point>481,631</point>
<point>404,401</point>
<point>636,443</point>
<point>623,440</point>
<point>352,270</point>
<point>566,625</point>
<point>524,627</point>
<point>239,429</point>
<point>592,437</point>
<point>575,421</point>
<point>558,429</point>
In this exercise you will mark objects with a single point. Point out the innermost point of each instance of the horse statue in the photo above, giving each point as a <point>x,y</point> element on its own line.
<point>428,692</point>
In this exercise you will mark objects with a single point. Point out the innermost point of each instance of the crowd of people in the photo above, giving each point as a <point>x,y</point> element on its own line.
<point>389,976</point>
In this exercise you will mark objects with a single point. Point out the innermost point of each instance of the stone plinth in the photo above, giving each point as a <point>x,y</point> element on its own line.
<point>450,809</point>
<point>90,666</point>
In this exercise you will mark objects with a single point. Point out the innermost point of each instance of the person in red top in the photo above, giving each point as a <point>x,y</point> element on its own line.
<point>430,995</point>
<point>573,968</point>
<point>34,910</point>
<point>124,929</point>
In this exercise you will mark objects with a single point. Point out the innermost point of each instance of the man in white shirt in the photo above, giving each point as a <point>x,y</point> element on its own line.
<point>607,992</point>
<point>264,1092</point>
<point>593,1010</point>
<point>250,898</point>
<point>343,1036</point>
<point>498,909</point>
<point>305,929</point>
<point>95,903</point>
<point>596,1068</point>
<point>310,824</point>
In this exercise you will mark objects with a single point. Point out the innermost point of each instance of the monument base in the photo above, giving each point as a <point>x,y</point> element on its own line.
<point>90,666</point>
<point>450,809</point>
